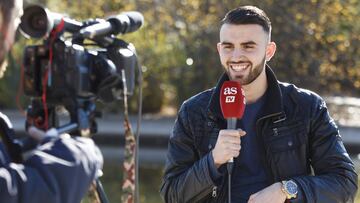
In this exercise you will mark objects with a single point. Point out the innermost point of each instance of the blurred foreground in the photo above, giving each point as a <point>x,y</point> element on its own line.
<point>150,180</point>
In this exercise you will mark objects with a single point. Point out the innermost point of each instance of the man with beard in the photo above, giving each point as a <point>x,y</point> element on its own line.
<point>286,148</point>
<point>61,168</point>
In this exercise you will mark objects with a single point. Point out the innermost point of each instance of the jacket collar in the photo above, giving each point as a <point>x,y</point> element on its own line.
<point>273,104</point>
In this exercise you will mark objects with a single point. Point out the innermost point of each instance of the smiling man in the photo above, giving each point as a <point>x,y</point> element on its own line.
<point>286,148</point>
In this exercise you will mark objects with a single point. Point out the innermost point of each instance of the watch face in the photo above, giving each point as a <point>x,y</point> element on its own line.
<point>291,187</point>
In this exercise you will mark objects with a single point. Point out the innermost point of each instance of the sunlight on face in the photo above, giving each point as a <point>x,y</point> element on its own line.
<point>242,50</point>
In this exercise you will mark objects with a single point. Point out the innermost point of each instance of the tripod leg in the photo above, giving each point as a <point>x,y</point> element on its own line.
<point>101,192</point>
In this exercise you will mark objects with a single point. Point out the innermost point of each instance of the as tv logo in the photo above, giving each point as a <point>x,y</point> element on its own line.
<point>230,91</point>
<point>230,99</point>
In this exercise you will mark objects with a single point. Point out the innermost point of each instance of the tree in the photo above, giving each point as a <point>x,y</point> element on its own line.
<point>318,43</point>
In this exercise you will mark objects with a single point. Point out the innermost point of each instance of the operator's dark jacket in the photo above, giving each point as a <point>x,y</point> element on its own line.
<point>298,140</point>
<point>60,170</point>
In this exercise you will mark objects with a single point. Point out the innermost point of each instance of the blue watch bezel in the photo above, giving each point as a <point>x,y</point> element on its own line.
<point>291,187</point>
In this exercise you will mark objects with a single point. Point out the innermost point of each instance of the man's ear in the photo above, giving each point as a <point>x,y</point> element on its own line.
<point>218,46</point>
<point>270,50</point>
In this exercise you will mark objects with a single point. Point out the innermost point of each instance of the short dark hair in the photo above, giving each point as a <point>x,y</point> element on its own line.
<point>248,15</point>
<point>6,7</point>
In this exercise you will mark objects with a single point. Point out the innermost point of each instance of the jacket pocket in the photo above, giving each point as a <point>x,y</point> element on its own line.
<point>286,137</point>
<point>286,150</point>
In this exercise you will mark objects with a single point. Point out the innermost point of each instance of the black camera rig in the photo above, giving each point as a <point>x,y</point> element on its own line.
<point>70,72</point>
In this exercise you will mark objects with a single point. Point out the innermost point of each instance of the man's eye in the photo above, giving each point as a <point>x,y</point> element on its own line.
<point>249,47</point>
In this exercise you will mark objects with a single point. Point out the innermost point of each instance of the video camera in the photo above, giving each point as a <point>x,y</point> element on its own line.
<point>68,71</point>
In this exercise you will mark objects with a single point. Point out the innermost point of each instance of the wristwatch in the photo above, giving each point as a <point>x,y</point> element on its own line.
<point>290,188</point>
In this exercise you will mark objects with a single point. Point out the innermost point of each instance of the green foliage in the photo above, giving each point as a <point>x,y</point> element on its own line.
<point>317,43</point>
<point>7,92</point>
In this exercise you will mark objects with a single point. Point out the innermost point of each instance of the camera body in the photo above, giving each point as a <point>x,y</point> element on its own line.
<point>70,72</point>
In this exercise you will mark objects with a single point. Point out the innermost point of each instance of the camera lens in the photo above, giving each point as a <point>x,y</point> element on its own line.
<point>35,22</point>
<point>38,22</point>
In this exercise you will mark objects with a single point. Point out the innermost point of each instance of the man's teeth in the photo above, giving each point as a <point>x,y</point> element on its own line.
<point>239,67</point>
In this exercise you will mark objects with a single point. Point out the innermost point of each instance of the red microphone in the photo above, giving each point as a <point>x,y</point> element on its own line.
<point>232,103</point>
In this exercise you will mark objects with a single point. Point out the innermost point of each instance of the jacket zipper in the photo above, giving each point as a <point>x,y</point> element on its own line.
<point>214,193</point>
<point>276,133</point>
<point>258,132</point>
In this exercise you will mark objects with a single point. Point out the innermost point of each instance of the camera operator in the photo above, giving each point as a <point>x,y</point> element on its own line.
<point>61,168</point>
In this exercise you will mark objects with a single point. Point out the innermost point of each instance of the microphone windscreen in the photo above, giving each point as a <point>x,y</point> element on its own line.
<point>126,22</point>
<point>136,19</point>
<point>232,100</point>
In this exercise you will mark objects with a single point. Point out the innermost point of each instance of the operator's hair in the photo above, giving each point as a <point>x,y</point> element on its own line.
<point>6,7</point>
<point>248,15</point>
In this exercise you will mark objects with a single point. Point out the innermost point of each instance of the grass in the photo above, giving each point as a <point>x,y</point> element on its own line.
<point>150,180</point>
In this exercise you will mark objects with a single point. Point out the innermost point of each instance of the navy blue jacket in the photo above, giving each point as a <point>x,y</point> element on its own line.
<point>58,171</point>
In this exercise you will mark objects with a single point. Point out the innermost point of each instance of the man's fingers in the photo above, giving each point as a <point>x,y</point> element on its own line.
<point>252,197</point>
<point>241,132</point>
<point>39,135</point>
<point>234,133</point>
<point>231,140</point>
<point>234,147</point>
<point>227,146</point>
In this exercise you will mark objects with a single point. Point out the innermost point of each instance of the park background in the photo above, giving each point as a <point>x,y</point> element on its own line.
<point>318,48</point>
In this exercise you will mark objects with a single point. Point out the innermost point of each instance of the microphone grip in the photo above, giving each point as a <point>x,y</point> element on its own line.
<point>231,124</point>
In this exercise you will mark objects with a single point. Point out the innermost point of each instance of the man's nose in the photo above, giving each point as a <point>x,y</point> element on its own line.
<point>237,54</point>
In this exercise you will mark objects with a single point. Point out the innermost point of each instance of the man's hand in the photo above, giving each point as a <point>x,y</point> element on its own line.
<point>273,194</point>
<point>84,148</point>
<point>39,135</point>
<point>227,146</point>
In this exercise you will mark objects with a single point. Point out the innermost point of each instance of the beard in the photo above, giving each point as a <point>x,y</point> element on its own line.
<point>254,72</point>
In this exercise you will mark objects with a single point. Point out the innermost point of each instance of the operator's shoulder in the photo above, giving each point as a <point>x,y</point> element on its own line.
<point>198,101</point>
<point>305,95</point>
<point>5,120</point>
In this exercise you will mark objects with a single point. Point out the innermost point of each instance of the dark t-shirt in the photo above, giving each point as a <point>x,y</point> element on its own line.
<point>249,174</point>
